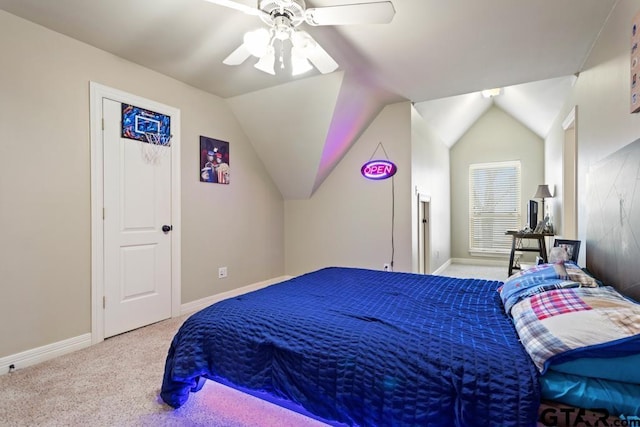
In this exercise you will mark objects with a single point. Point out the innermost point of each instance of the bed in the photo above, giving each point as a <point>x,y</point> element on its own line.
<point>612,254</point>
<point>362,347</point>
<point>582,335</point>
<point>552,344</point>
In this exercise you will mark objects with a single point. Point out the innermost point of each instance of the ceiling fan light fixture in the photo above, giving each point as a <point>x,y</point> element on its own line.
<point>282,28</point>
<point>303,41</point>
<point>267,61</point>
<point>490,93</point>
<point>283,17</point>
<point>299,62</point>
<point>257,41</point>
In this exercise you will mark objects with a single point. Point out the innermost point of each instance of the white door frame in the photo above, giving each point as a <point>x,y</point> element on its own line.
<point>97,93</point>
<point>569,212</point>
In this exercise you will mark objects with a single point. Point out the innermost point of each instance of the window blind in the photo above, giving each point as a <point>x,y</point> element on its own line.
<point>494,206</point>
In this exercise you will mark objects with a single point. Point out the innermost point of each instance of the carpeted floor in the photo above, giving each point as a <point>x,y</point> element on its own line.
<point>116,383</point>
<point>470,271</point>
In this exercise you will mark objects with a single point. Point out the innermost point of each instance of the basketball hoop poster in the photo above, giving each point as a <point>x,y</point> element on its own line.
<point>137,123</point>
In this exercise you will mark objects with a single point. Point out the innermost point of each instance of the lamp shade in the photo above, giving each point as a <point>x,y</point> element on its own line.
<point>542,192</point>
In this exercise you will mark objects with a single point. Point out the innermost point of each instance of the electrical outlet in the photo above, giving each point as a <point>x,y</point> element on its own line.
<point>222,272</point>
<point>386,267</point>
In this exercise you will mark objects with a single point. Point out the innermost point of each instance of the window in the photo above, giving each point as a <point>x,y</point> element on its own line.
<point>494,206</point>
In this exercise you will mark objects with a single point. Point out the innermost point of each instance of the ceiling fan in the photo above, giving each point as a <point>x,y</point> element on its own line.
<point>283,18</point>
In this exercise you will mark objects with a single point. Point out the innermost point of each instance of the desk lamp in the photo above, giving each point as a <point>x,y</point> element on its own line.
<point>542,193</point>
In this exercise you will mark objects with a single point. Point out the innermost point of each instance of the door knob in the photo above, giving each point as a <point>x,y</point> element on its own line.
<point>167,228</point>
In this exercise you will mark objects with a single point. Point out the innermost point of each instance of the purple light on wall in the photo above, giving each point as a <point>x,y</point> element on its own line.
<point>356,108</point>
<point>378,169</point>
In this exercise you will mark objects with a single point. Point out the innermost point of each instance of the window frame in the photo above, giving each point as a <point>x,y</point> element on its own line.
<point>500,210</point>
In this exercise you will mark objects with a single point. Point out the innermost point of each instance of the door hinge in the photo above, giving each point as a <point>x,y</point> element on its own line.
<point>104,302</point>
<point>102,124</point>
<point>103,210</point>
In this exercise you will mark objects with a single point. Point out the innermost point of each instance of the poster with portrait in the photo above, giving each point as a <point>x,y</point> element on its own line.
<point>635,65</point>
<point>214,161</point>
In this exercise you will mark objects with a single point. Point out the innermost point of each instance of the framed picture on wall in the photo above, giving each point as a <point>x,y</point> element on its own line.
<point>214,161</point>
<point>635,64</point>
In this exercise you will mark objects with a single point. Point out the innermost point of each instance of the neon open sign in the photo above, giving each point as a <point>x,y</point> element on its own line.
<point>378,169</point>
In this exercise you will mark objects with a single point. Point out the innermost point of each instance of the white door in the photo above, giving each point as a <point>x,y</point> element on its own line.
<point>137,252</point>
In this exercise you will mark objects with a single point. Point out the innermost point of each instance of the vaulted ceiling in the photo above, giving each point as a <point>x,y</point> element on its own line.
<point>535,105</point>
<point>434,53</point>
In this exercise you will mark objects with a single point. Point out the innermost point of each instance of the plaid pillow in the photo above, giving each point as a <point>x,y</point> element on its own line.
<point>576,274</point>
<point>556,302</point>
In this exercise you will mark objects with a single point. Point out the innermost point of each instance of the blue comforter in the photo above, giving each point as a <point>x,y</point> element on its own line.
<point>365,347</point>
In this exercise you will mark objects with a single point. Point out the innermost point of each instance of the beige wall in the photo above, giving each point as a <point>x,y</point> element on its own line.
<point>431,177</point>
<point>601,94</point>
<point>495,137</point>
<point>45,255</point>
<point>347,221</point>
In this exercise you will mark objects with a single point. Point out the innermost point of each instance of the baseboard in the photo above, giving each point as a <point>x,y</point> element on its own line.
<point>442,267</point>
<point>60,348</point>
<point>44,353</point>
<point>483,261</point>
<point>193,306</point>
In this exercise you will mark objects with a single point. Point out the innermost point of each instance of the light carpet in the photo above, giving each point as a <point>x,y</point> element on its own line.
<point>117,383</point>
<point>471,271</point>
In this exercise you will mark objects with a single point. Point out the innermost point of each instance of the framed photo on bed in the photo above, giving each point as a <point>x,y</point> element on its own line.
<point>571,246</point>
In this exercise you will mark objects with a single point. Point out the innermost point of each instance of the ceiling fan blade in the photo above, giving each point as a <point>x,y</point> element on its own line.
<point>237,6</point>
<point>238,56</point>
<point>314,52</point>
<point>363,13</point>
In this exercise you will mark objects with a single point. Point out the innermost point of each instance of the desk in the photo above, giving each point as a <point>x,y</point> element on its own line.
<point>516,246</point>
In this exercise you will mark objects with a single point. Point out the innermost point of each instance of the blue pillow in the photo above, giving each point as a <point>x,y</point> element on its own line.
<point>624,369</point>
<point>533,281</point>
<point>591,393</point>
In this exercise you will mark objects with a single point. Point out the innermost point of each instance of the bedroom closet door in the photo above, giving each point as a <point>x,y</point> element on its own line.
<point>137,251</point>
